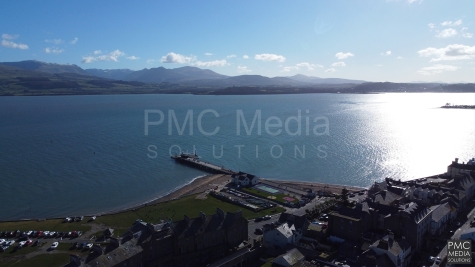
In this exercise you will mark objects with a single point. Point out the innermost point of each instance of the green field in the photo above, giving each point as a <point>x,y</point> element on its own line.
<point>176,210</point>
<point>120,222</point>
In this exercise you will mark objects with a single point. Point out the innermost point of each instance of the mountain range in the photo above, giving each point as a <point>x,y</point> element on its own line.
<point>184,75</point>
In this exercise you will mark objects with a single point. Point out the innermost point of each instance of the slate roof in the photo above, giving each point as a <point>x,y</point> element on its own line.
<point>439,211</point>
<point>299,220</point>
<point>415,211</point>
<point>293,256</point>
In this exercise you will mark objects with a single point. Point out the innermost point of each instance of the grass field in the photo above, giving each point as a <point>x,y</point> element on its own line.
<point>120,222</point>
<point>176,210</point>
<point>42,260</point>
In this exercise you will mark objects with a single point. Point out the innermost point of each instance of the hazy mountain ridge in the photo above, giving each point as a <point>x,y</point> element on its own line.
<point>46,67</point>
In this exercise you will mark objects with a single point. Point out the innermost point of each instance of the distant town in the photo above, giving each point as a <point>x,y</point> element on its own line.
<point>240,219</point>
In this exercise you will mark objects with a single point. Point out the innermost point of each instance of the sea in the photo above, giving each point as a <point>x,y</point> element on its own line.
<point>79,155</point>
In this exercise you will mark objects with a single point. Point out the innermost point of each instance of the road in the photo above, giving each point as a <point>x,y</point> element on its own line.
<point>458,231</point>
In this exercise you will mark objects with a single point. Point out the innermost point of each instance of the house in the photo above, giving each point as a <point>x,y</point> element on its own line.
<point>244,179</point>
<point>412,221</point>
<point>397,251</point>
<point>290,258</point>
<point>349,223</point>
<point>440,218</point>
<point>108,232</point>
<point>457,168</point>
<point>281,236</point>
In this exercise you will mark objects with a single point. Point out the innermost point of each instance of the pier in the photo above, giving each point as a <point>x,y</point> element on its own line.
<point>194,161</point>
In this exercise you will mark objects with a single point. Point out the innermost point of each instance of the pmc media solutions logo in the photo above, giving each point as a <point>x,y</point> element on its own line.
<point>459,251</point>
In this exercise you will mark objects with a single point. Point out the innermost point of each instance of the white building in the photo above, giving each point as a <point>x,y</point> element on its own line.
<point>244,179</point>
<point>281,236</point>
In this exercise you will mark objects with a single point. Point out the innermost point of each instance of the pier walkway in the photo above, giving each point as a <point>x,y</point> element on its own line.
<point>194,161</point>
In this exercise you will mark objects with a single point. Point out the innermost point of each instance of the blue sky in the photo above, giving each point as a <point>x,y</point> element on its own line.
<point>373,40</point>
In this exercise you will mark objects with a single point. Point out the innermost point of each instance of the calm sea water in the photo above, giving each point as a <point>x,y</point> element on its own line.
<point>75,155</point>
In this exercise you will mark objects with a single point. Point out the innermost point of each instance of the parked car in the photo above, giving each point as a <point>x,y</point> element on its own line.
<point>29,233</point>
<point>21,244</point>
<point>438,260</point>
<point>258,231</point>
<point>40,233</point>
<point>88,246</point>
<point>45,233</point>
<point>28,242</point>
<point>55,245</point>
<point>258,219</point>
<point>267,217</point>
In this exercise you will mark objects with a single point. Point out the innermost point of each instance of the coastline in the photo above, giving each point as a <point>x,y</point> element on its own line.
<point>203,183</point>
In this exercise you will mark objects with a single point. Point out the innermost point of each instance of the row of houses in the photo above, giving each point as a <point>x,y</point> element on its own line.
<point>188,242</point>
<point>403,216</point>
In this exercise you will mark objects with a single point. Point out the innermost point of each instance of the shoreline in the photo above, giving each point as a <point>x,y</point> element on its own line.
<point>201,184</point>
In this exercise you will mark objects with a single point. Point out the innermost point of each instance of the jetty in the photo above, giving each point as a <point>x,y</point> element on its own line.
<point>448,105</point>
<point>194,161</point>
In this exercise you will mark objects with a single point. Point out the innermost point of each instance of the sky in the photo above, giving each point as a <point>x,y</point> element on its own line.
<point>372,40</point>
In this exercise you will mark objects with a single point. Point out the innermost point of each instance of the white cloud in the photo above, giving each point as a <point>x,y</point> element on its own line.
<point>112,56</point>
<point>88,59</point>
<point>387,53</point>
<point>436,69</point>
<point>9,36</point>
<point>450,23</point>
<point>308,65</point>
<point>341,55</point>
<point>330,70</point>
<point>245,56</point>
<point>150,61</point>
<point>243,69</point>
<point>132,58</point>
<point>53,50</point>
<point>399,57</point>
<point>270,57</point>
<point>450,52</point>
<point>176,58</point>
<point>215,63</point>
<point>447,33</point>
<point>11,44</point>
<point>54,41</point>
<point>465,33</point>
<point>431,25</point>
<point>208,54</point>
<point>411,1</point>
<point>74,41</point>
<point>231,56</point>
<point>338,64</point>
<point>298,66</point>
<point>289,68</point>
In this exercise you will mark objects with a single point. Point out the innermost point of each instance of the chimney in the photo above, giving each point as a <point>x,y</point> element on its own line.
<point>456,160</point>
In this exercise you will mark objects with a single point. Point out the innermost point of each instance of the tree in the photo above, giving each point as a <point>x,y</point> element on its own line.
<point>344,196</point>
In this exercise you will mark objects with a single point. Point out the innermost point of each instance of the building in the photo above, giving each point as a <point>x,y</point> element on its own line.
<point>397,251</point>
<point>290,258</point>
<point>457,168</point>
<point>189,242</point>
<point>244,179</point>
<point>440,218</point>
